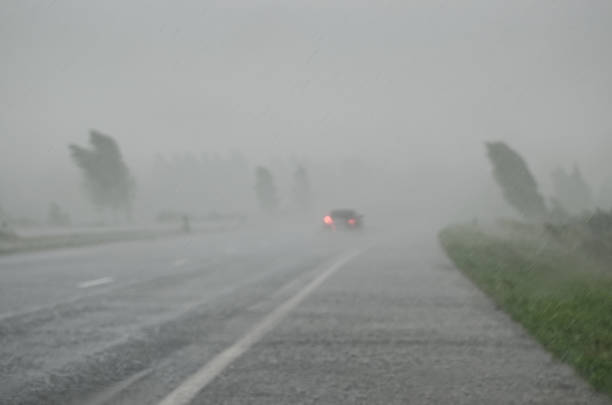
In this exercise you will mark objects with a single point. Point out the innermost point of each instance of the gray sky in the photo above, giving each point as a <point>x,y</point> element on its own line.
<point>405,84</point>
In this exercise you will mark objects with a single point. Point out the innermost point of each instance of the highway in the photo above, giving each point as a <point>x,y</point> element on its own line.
<point>289,315</point>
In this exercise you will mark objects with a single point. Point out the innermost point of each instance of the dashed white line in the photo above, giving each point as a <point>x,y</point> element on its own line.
<point>95,283</point>
<point>187,391</point>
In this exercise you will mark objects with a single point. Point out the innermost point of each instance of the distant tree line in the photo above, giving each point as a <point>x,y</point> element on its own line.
<point>184,183</point>
<point>572,192</point>
<point>267,192</point>
<point>204,182</point>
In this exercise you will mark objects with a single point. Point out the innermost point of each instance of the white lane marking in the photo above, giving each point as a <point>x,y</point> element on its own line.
<point>31,310</point>
<point>187,391</point>
<point>96,282</point>
<point>180,262</point>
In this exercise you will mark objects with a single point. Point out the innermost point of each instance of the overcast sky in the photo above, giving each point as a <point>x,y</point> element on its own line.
<point>402,83</point>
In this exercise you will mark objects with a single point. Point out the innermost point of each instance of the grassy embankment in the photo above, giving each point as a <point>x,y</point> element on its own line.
<point>560,294</point>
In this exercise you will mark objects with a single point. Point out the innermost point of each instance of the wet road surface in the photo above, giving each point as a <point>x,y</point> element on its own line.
<point>253,317</point>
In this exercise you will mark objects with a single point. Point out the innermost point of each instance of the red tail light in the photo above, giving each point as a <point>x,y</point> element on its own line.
<point>352,221</point>
<point>328,220</point>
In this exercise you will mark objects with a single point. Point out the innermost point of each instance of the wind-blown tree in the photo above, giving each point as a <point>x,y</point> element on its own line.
<point>572,191</point>
<point>107,178</point>
<point>518,185</point>
<point>265,190</point>
<point>302,192</point>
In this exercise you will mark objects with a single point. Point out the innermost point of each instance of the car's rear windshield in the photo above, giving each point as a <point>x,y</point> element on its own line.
<point>343,214</point>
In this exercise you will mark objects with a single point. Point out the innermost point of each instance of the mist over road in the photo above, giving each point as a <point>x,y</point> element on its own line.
<point>270,317</point>
<point>229,131</point>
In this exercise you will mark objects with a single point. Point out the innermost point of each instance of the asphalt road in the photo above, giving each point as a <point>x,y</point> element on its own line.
<point>252,317</point>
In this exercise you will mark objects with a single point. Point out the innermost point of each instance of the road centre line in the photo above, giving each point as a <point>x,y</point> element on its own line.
<point>187,391</point>
<point>27,311</point>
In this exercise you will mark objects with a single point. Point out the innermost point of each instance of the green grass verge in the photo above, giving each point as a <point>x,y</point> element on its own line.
<point>562,298</point>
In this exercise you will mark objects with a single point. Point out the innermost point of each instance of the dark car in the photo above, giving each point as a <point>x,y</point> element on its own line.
<point>343,219</point>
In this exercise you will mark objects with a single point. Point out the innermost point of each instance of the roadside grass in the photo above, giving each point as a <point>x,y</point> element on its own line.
<point>561,296</point>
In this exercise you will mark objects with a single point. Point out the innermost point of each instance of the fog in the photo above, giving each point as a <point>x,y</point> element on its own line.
<point>386,103</point>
